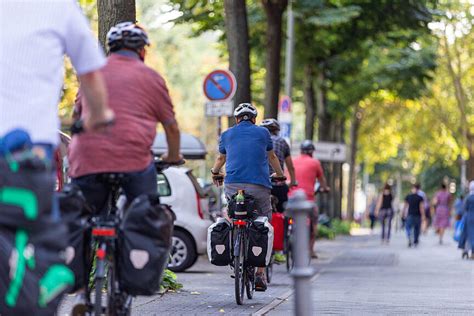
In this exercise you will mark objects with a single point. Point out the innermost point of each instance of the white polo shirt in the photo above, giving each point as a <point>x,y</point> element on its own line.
<point>34,36</point>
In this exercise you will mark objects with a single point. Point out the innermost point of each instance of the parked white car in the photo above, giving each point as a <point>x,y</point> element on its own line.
<point>179,188</point>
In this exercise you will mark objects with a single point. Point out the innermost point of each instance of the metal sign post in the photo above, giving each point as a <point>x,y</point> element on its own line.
<point>219,88</point>
<point>299,208</point>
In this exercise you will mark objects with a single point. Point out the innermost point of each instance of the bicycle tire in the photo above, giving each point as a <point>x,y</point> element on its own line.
<point>289,257</point>
<point>250,282</point>
<point>99,282</point>
<point>239,284</point>
<point>269,271</point>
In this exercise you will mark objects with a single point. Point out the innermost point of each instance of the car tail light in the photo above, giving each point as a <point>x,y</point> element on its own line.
<point>107,232</point>
<point>240,222</point>
<point>290,221</point>
<point>199,208</point>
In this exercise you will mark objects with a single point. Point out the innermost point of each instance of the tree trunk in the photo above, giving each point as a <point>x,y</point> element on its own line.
<point>238,47</point>
<point>470,161</point>
<point>324,118</point>
<point>274,12</point>
<point>337,189</point>
<point>112,12</point>
<point>310,102</point>
<point>352,161</point>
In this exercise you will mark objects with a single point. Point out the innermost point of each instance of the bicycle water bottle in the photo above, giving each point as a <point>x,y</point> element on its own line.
<point>240,204</point>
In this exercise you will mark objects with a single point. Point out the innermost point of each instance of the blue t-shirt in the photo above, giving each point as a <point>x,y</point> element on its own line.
<point>246,146</point>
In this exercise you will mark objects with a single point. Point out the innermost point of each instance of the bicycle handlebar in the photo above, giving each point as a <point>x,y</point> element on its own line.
<point>162,165</point>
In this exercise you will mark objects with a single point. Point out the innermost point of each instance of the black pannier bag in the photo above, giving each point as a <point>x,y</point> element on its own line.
<point>145,243</point>
<point>242,211</point>
<point>219,243</point>
<point>260,242</point>
<point>33,276</point>
<point>75,215</point>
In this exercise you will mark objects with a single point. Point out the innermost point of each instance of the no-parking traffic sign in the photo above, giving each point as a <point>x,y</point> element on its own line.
<point>219,85</point>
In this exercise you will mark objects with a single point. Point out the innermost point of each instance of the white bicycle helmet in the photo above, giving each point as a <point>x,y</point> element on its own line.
<point>126,35</point>
<point>246,111</point>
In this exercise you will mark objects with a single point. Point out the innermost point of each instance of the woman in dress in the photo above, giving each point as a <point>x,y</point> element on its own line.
<point>384,211</point>
<point>442,202</point>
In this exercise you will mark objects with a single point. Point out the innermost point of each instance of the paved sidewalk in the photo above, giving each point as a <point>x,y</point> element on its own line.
<point>367,278</point>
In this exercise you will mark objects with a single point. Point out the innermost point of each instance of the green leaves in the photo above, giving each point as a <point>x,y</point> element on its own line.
<point>335,16</point>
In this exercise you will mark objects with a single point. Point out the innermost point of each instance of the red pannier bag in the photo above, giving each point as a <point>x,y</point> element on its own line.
<point>278,223</point>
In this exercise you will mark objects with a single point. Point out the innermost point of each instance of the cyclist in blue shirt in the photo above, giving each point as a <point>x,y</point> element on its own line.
<point>247,151</point>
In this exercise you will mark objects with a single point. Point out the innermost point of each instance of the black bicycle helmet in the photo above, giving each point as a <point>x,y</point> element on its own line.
<point>271,124</point>
<point>126,35</point>
<point>246,111</point>
<point>307,146</point>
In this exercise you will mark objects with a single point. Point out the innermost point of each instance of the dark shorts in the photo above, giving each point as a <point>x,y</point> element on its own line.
<point>134,184</point>
<point>260,193</point>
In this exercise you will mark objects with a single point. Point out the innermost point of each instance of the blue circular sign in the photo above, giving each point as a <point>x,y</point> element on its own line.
<point>219,85</point>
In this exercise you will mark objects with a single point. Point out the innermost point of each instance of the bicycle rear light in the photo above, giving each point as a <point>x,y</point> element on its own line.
<point>240,222</point>
<point>104,231</point>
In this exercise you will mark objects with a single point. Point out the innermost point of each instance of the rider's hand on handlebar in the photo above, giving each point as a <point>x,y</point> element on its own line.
<point>217,178</point>
<point>325,190</point>
<point>172,159</point>
<point>99,122</point>
<point>278,177</point>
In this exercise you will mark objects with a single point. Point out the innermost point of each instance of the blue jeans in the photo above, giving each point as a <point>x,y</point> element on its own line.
<point>413,224</point>
<point>134,184</point>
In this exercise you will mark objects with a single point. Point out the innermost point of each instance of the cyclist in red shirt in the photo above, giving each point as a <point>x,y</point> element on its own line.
<point>307,171</point>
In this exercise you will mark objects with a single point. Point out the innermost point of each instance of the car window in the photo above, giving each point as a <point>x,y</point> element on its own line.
<point>196,184</point>
<point>164,188</point>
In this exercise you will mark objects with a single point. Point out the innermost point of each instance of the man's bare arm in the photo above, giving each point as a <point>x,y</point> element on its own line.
<point>173,140</point>
<point>275,163</point>
<point>94,91</point>
<point>219,163</point>
<point>291,170</point>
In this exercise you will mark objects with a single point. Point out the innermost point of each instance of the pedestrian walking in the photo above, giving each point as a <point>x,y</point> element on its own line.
<point>467,237</point>
<point>442,202</point>
<point>414,213</point>
<point>371,213</point>
<point>427,209</point>
<point>384,211</point>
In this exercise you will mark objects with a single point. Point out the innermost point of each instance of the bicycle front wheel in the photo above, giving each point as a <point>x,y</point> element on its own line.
<point>250,282</point>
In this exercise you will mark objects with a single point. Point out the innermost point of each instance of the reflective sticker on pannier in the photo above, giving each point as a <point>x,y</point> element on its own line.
<point>220,249</point>
<point>69,253</point>
<point>256,251</point>
<point>139,258</point>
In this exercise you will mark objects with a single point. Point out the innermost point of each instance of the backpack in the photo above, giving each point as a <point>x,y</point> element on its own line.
<point>33,275</point>
<point>219,243</point>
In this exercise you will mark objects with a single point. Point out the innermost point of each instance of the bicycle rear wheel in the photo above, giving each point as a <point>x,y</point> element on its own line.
<point>239,274</point>
<point>99,281</point>
<point>289,256</point>
<point>269,271</point>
